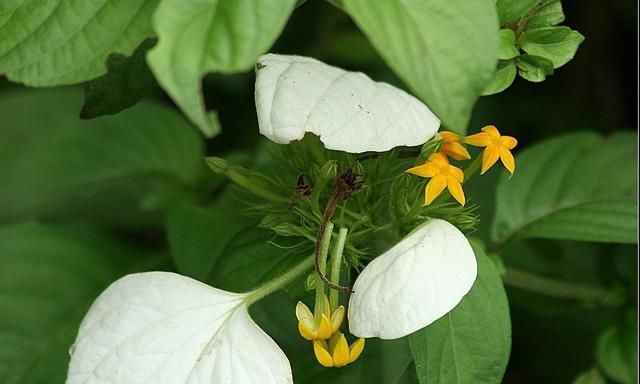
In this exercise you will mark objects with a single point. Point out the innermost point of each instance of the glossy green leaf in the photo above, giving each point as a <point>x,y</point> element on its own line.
<point>202,36</point>
<point>49,277</point>
<point>470,344</point>
<point>616,351</point>
<point>198,235</point>
<point>57,164</point>
<point>502,78</point>
<point>534,68</point>
<point>547,16</point>
<point>577,187</point>
<point>557,44</point>
<point>55,42</point>
<point>127,82</point>
<point>444,50</point>
<point>508,49</point>
<point>511,11</point>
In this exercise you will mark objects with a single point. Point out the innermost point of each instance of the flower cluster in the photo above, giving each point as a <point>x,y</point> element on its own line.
<point>444,175</point>
<point>165,328</point>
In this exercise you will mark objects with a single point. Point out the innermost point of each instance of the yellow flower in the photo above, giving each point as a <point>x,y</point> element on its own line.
<point>442,175</point>
<point>337,353</point>
<point>312,328</point>
<point>452,147</point>
<point>496,146</point>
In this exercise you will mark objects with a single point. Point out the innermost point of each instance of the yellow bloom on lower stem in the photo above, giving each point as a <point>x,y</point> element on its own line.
<point>322,327</point>
<point>337,352</point>
<point>452,146</point>
<point>496,146</point>
<point>443,175</point>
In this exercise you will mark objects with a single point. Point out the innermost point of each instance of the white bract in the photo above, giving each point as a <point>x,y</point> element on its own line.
<point>347,110</point>
<point>414,283</point>
<point>164,328</point>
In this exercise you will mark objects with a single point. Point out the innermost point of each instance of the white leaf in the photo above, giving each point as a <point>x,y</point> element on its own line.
<point>164,328</point>
<point>349,111</point>
<point>414,283</point>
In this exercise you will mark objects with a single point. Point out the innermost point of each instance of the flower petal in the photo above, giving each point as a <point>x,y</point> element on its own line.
<point>434,188</point>
<point>509,142</point>
<point>414,283</point>
<point>492,131</point>
<point>507,159</point>
<point>439,159</point>
<point>479,139</point>
<point>489,157</point>
<point>307,332</point>
<point>165,328</point>
<point>349,111</point>
<point>449,136</point>
<point>424,170</point>
<point>322,354</point>
<point>341,352</point>
<point>456,151</point>
<point>356,349</point>
<point>336,318</point>
<point>324,328</point>
<point>455,188</point>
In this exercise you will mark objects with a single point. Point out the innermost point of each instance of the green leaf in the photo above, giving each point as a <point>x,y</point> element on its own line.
<point>616,351</point>
<point>444,50</point>
<point>508,49</point>
<point>592,376</point>
<point>575,187</point>
<point>197,37</point>
<point>198,235</point>
<point>56,42</point>
<point>534,68</point>
<point>547,16</point>
<point>557,44</point>
<point>57,164</point>
<point>470,344</point>
<point>502,78</point>
<point>510,11</point>
<point>127,82</point>
<point>49,277</point>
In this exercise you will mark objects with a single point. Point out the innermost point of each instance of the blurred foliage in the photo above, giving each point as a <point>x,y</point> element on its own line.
<point>83,202</point>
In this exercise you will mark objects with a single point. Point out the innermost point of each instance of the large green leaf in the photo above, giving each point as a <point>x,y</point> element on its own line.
<point>616,351</point>
<point>198,235</point>
<point>127,82</point>
<point>576,187</point>
<point>54,42</point>
<point>55,163</point>
<point>48,279</point>
<point>470,344</point>
<point>201,36</point>
<point>445,50</point>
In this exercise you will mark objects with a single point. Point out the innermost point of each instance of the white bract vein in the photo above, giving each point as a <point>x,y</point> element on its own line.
<point>347,110</point>
<point>164,328</point>
<point>413,284</point>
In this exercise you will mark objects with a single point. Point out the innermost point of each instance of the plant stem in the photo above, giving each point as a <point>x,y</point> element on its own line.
<point>279,282</point>
<point>336,264</point>
<point>322,265</point>
<point>560,289</point>
<point>472,168</point>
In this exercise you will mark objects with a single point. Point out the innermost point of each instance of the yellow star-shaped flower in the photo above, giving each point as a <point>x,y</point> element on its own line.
<point>452,146</point>
<point>496,146</point>
<point>312,328</point>
<point>443,175</point>
<point>337,353</point>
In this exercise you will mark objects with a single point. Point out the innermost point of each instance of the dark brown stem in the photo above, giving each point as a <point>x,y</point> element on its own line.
<point>342,189</point>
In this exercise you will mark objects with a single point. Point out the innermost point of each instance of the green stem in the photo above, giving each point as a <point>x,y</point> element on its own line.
<point>472,168</point>
<point>324,250</point>
<point>280,281</point>
<point>560,289</point>
<point>336,264</point>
